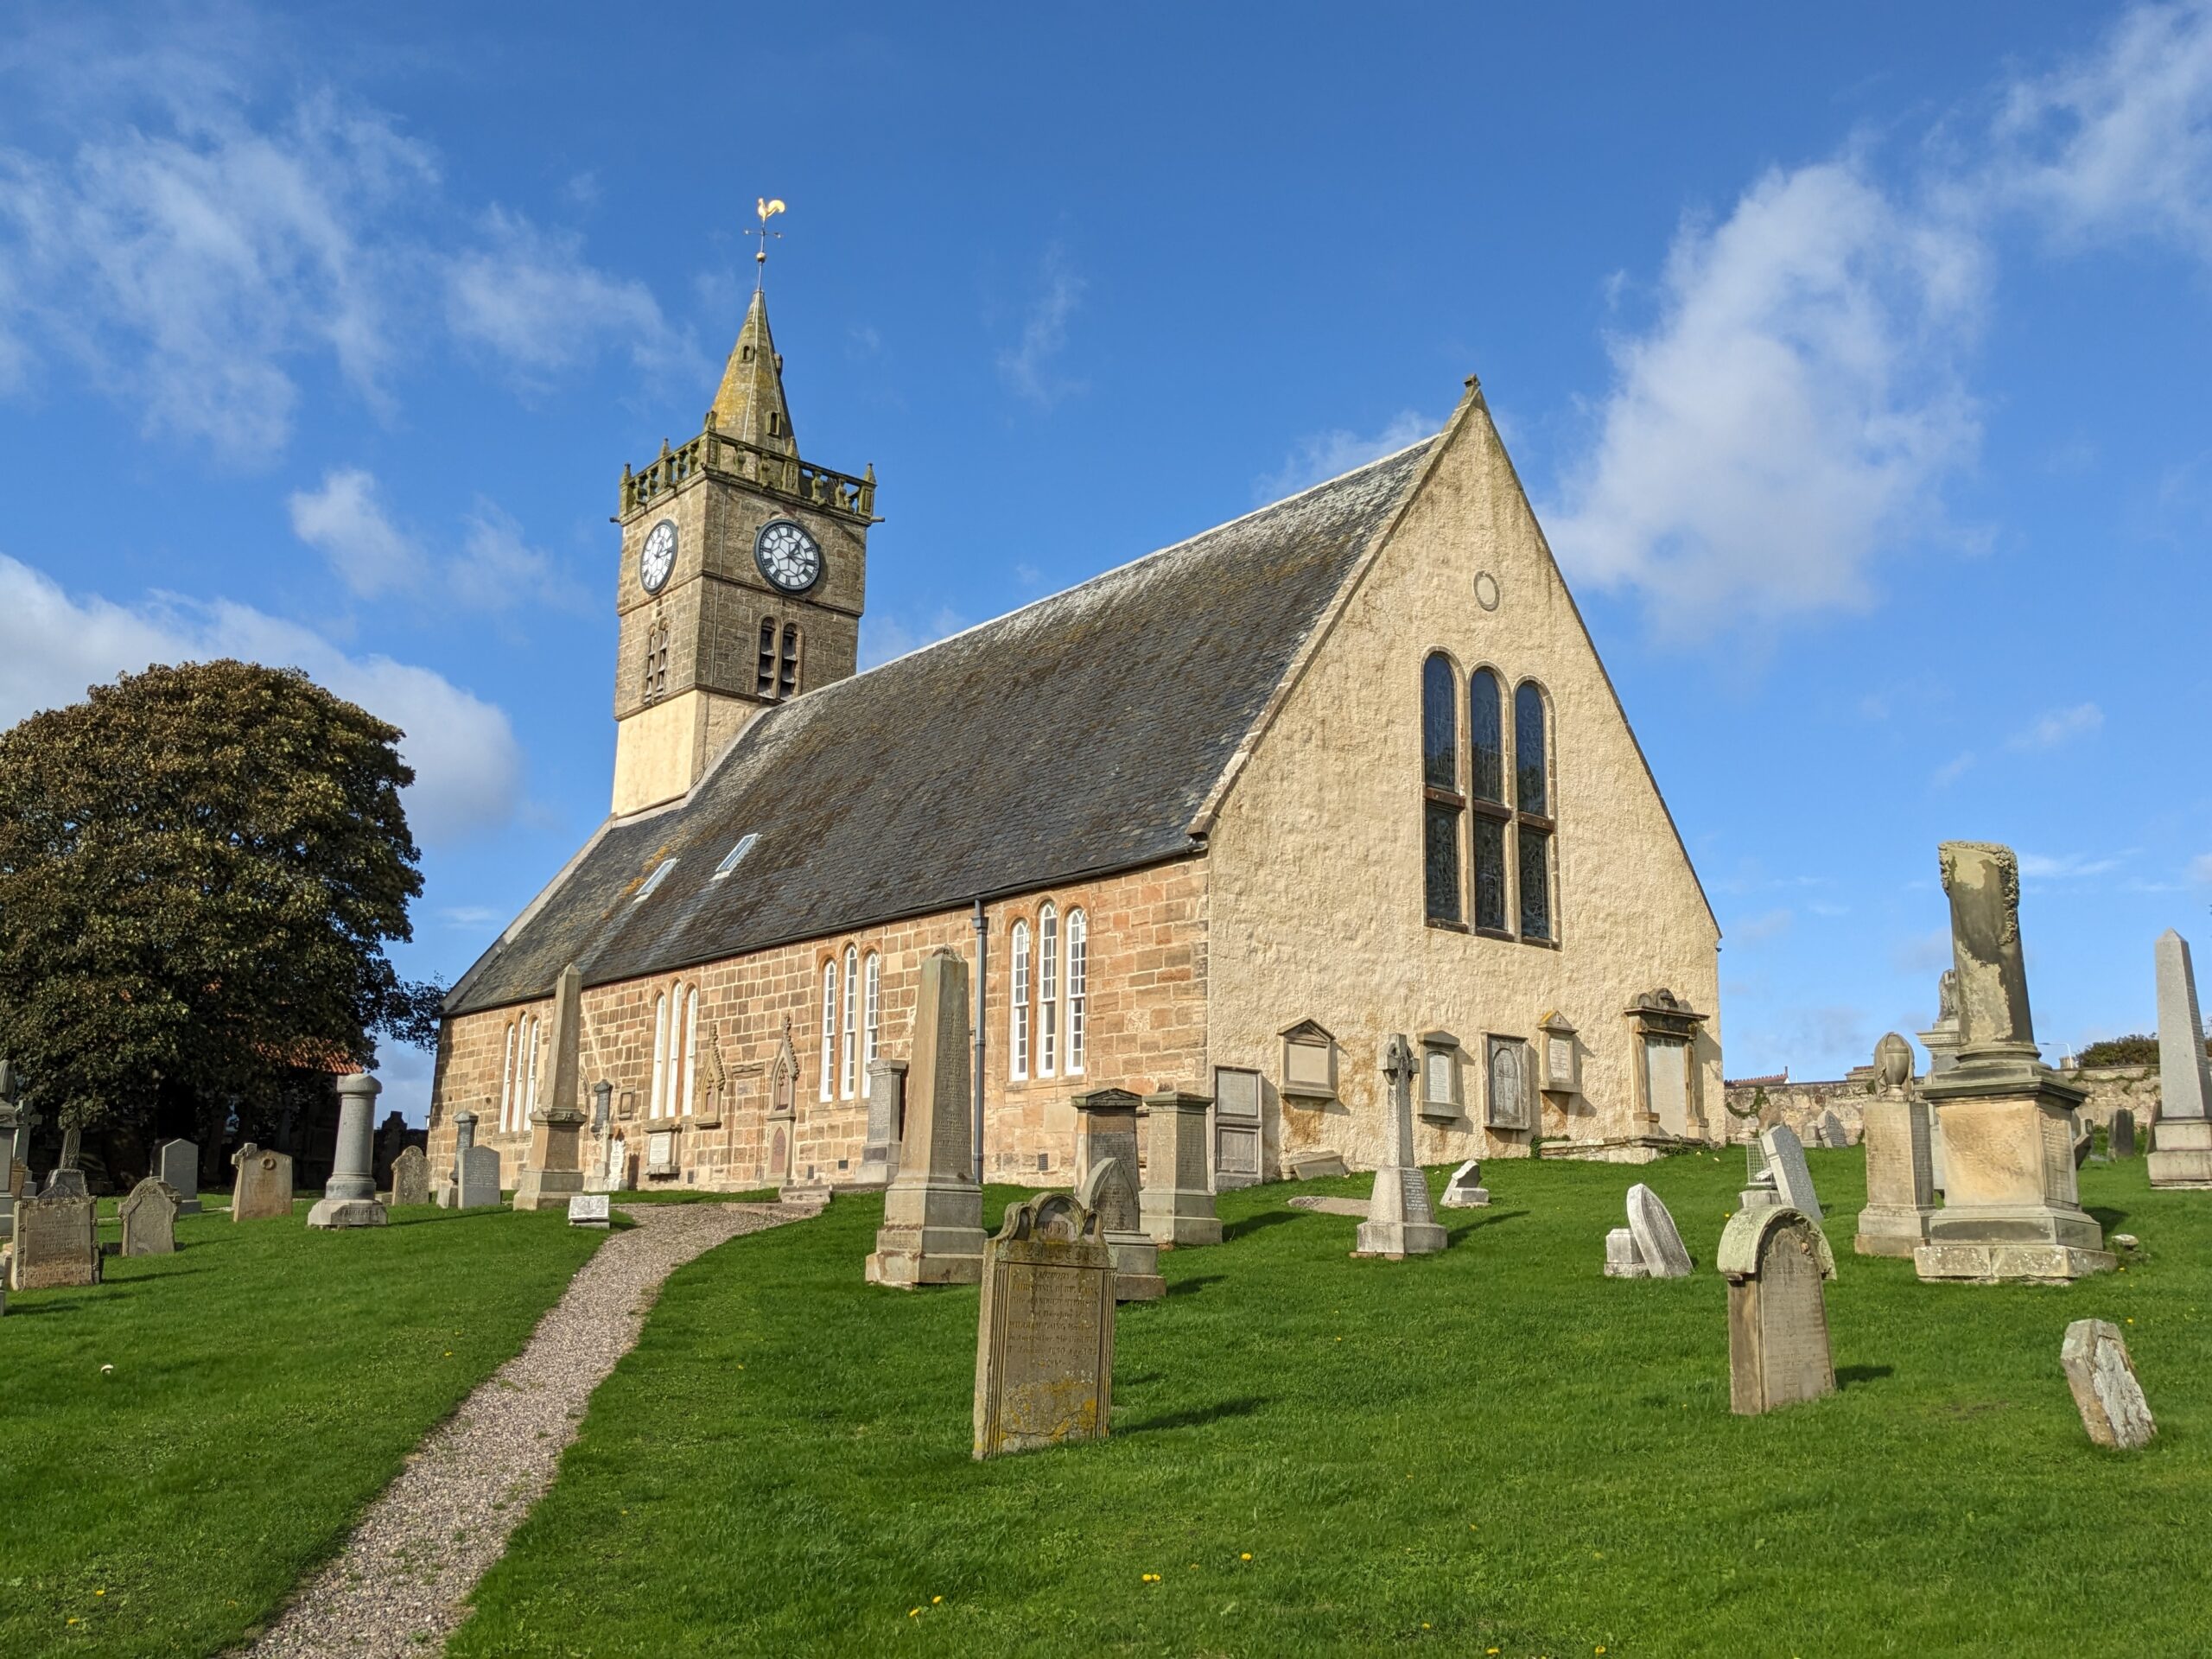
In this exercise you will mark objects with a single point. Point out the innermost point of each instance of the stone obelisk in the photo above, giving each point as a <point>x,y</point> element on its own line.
<point>2181,1144</point>
<point>2010,1210</point>
<point>554,1172</point>
<point>1399,1220</point>
<point>933,1231</point>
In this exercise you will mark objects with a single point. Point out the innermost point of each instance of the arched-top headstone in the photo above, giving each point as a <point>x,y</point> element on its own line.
<point>1777,1263</point>
<point>148,1216</point>
<point>1658,1241</point>
<point>1045,1342</point>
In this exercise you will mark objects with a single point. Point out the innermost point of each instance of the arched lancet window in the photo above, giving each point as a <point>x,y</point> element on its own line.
<point>763,672</point>
<point>656,685</point>
<point>690,1048</point>
<point>529,1103</point>
<point>787,669</point>
<point>1018,995</point>
<point>829,1027</point>
<point>1048,991</point>
<point>1442,804</point>
<point>1078,986</point>
<point>507,1081</point>
<point>849,1054</point>
<point>1486,784</point>
<point>871,1015</point>
<point>659,1090</point>
<point>1533,823</point>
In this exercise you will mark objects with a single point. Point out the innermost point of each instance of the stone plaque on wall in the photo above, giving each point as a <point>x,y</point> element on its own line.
<point>1506,1071</point>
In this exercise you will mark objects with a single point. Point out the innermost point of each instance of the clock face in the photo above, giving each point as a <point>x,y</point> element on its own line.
<point>658,556</point>
<point>787,555</point>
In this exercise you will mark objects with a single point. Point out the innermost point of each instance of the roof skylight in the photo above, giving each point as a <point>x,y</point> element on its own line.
<point>735,857</point>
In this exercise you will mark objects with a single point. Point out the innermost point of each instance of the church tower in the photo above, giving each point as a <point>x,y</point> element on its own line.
<point>743,572</point>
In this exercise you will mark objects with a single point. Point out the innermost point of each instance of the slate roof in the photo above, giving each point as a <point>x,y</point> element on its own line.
<point>1073,738</point>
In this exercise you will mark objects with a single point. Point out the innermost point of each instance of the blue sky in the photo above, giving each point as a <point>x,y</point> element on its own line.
<point>1855,360</point>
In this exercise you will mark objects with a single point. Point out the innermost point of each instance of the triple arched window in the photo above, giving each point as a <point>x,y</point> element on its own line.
<point>1487,825</point>
<point>1048,993</point>
<point>675,1087</point>
<point>518,1075</point>
<point>852,1019</point>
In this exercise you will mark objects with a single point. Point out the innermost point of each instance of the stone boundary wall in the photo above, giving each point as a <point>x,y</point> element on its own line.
<point>1801,1105</point>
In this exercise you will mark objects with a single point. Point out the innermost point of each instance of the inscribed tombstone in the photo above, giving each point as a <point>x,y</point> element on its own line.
<point>263,1189</point>
<point>177,1164</point>
<point>2121,1139</point>
<point>410,1177</point>
<point>1657,1239</point>
<point>1900,1177</point>
<point>65,1183</point>
<point>1045,1340</point>
<point>1176,1198</point>
<point>480,1178</point>
<point>2105,1393</point>
<point>57,1244</point>
<point>2181,1141</point>
<point>1785,1160</point>
<point>589,1210</point>
<point>1110,1192</point>
<point>1622,1259</point>
<point>149,1217</point>
<point>1777,1262</point>
<point>1399,1221</point>
<point>1466,1191</point>
<point>1834,1135</point>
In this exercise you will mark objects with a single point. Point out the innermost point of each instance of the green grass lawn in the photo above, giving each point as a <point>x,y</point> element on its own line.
<point>267,1383</point>
<point>1492,1449</point>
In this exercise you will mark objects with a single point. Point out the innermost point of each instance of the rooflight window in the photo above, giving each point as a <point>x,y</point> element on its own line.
<point>659,875</point>
<point>735,857</point>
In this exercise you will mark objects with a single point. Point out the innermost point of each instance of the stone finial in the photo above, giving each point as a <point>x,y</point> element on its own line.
<point>1893,1062</point>
<point>1983,881</point>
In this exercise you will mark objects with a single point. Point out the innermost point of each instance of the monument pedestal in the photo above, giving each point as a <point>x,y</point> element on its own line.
<point>348,1212</point>
<point>349,1197</point>
<point>547,1189</point>
<point>932,1234</point>
<point>1900,1183</point>
<point>2010,1210</point>
<point>2181,1153</point>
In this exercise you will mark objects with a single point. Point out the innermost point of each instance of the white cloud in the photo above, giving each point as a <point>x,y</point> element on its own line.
<point>2042,867</point>
<point>528,296</point>
<point>1954,769</point>
<point>1772,924</point>
<point>471,916</point>
<point>2199,869</point>
<point>885,636</point>
<point>2059,725</point>
<point>498,569</point>
<point>468,764</point>
<point>347,524</point>
<point>1028,369</point>
<point>1323,456</point>
<point>1789,412</point>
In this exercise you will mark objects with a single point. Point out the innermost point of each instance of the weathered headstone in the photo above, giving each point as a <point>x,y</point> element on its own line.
<point>887,1112</point>
<point>1834,1135</point>
<point>177,1164</point>
<point>1658,1242</point>
<point>1466,1191</point>
<point>2120,1137</point>
<point>57,1244</point>
<point>553,1172</point>
<point>1785,1161</point>
<point>2105,1393</point>
<point>1399,1220</point>
<point>1622,1259</point>
<point>1045,1340</point>
<point>2181,1140</point>
<point>148,1216</point>
<point>1776,1262</point>
<point>480,1178</point>
<point>2011,1210</point>
<point>1900,1169</point>
<point>933,1231</point>
<point>1317,1166</point>
<point>1178,1190</point>
<point>67,1182</point>
<point>410,1177</point>
<point>1110,1192</point>
<point>349,1197</point>
<point>264,1188</point>
<point>589,1210</point>
<point>447,1191</point>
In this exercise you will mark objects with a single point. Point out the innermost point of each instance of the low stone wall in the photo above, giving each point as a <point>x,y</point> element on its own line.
<point>1802,1105</point>
<point>2135,1087</point>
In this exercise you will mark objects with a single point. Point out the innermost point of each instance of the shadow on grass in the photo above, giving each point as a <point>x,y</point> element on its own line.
<point>1851,1375</point>
<point>1266,1218</point>
<point>2106,1216</point>
<point>1192,1286</point>
<point>1476,1224</point>
<point>1197,1414</point>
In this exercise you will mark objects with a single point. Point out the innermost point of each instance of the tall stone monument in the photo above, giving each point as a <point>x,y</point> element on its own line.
<point>1900,1164</point>
<point>554,1172</point>
<point>1399,1221</point>
<point>933,1231</point>
<point>464,1136</point>
<point>176,1164</point>
<point>1045,1339</point>
<point>886,1110</point>
<point>1776,1262</point>
<point>1106,1185</point>
<point>1178,1197</point>
<point>2181,1140</point>
<point>2010,1210</point>
<point>349,1197</point>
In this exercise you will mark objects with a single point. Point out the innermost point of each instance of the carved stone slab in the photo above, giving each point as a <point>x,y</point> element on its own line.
<point>1466,1191</point>
<point>57,1244</point>
<point>589,1210</point>
<point>1777,1262</point>
<point>1622,1260</point>
<point>177,1163</point>
<point>1785,1159</point>
<point>1110,1192</point>
<point>411,1178</point>
<point>263,1190</point>
<point>480,1178</point>
<point>1045,1339</point>
<point>2102,1378</point>
<point>1658,1242</point>
<point>149,1217</point>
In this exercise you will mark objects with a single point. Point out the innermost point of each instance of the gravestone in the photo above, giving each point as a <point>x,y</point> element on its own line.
<point>2011,1210</point>
<point>2181,1140</point>
<point>349,1197</point>
<point>1045,1339</point>
<point>1658,1242</point>
<point>148,1216</point>
<point>176,1163</point>
<point>887,1112</point>
<point>264,1188</point>
<point>1110,1192</point>
<point>933,1231</point>
<point>1834,1135</point>
<point>1777,1263</point>
<point>2105,1393</point>
<point>1785,1161</point>
<point>57,1244</point>
<point>67,1182</point>
<point>1176,1196</point>
<point>2121,1139</point>
<point>480,1178</point>
<point>1317,1166</point>
<point>1900,1165</point>
<point>410,1177</point>
<point>553,1172</point>
<point>1399,1221</point>
<point>1466,1191</point>
<point>589,1210</point>
<point>464,1136</point>
<point>1622,1259</point>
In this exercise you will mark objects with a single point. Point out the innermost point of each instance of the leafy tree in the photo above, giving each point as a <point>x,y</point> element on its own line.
<point>199,868</point>
<point>2136,1050</point>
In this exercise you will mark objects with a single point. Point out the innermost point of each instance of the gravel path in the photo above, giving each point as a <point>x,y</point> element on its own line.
<point>398,1586</point>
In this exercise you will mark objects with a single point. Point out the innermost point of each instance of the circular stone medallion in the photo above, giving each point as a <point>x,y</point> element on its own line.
<point>1486,591</point>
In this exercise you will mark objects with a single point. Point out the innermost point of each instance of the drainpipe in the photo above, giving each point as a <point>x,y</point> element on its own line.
<point>981,942</point>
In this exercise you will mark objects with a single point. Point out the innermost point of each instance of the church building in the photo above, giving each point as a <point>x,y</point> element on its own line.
<point>1222,820</point>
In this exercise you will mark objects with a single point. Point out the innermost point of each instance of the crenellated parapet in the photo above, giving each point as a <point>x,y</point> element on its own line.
<point>716,453</point>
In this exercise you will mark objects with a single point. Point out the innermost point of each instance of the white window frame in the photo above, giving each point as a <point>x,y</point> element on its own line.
<point>871,1015</point>
<point>1018,995</point>
<point>659,1091</point>
<point>690,1047</point>
<point>829,1027</point>
<point>849,1043</point>
<point>530,1094</point>
<point>1048,991</point>
<point>1078,987</point>
<point>507,1077</point>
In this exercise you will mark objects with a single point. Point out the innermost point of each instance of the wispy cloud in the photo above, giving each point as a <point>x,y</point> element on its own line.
<point>2199,869</point>
<point>469,916</point>
<point>1320,456</point>
<point>885,636</point>
<point>345,521</point>
<point>1031,368</point>
<point>527,296</point>
<point>494,568</point>
<point>1771,925</point>
<point>1954,769</point>
<point>2065,866</point>
<point>2059,725</point>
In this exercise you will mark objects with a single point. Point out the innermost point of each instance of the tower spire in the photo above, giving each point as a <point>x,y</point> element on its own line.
<point>749,405</point>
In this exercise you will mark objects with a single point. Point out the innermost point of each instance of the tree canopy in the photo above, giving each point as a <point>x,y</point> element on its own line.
<point>199,869</point>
